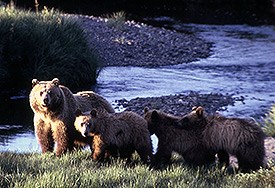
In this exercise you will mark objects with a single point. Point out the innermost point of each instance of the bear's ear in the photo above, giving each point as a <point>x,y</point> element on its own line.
<point>78,113</point>
<point>199,111</point>
<point>194,108</point>
<point>146,109</point>
<point>34,82</point>
<point>93,113</point>
<point>55,81</point>
<point>155,116</point>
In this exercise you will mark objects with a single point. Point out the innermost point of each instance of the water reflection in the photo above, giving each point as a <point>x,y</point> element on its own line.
<point>15,123</point>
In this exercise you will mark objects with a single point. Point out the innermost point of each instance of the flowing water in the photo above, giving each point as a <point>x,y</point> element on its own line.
<point>242,64</point>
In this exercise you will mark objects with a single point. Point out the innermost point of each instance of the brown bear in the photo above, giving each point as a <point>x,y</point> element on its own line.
<point>117,133</point>
<point>170,138</point>
<point>54,108</point>
<point>239,137</point>
<point>83,126</point>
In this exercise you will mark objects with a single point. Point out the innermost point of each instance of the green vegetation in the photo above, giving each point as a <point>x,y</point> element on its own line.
<point>44,45</point>
<point>78,170</point>
<point>116,20</point>
<point>269,127</point>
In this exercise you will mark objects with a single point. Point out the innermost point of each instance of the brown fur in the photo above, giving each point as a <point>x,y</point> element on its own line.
<point>122,132</point>
<point>54,109</point>
<point>239,137</point>
<point>83,126</point>
<point>185,143</point>
<point>93,100</point>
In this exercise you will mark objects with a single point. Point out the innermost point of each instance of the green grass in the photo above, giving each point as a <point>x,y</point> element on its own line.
<point>44,45</point>
<point>116,20</point>
<point>269,127</point>
<point>78,170</point>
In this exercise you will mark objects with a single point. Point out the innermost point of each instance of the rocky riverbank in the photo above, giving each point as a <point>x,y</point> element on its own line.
<point>180,104</point>
<point>120,43</point>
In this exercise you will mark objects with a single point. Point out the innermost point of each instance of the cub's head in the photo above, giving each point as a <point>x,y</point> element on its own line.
<point>46,94</point>
<point>153,119</point>
<point>84,122</point>
<point>193,120</point>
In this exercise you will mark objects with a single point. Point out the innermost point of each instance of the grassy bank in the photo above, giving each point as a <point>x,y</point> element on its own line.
<point>44,45</point>
<point>78,170</point>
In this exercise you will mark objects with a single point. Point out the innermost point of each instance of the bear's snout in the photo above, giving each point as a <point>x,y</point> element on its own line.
<point>86,134</point>
<point>46,101</point>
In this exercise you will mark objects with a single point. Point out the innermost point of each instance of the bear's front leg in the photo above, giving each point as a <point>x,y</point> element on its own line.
<point>99,148</point>
<point>44,135</point>
<point>162,157</point>
<point>61,137</point>
<point>223,157</point>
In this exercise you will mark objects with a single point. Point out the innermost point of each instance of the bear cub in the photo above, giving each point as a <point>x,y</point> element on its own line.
<point>172,139</point>
<point>118,133</point>
<point>239,137</point>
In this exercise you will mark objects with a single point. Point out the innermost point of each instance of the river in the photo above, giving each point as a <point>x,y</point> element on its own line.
<point>242,64</point>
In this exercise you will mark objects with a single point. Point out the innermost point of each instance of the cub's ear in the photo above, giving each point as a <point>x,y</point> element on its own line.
<point>146,109</point>
<point>34,82</point>
<point>194,108</point>
<point>55,81</point>
<point>155,116</point>
<point>93,113</point>
<point>78,113</point>
<point>199,111</point>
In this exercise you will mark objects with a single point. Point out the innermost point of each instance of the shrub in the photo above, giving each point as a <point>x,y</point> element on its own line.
<point>269,120</point>
<point>116,20</point>
<point>44,45</point>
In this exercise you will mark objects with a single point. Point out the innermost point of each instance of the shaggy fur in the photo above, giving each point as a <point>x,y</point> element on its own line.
<point>93,100</point>
<point>239,137</point>
<point>184,142</point>
<point>119,133</point>
<point>54,108</point>
<point>83,126</point>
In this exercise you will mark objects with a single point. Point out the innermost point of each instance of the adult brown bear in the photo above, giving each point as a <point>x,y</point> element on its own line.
<point>54,108</point>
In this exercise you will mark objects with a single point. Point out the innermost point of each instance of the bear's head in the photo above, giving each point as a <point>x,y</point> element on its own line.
<point>84,122</point>
<point>193,120</point>
<point>46,95</point>
<point>154,120</point>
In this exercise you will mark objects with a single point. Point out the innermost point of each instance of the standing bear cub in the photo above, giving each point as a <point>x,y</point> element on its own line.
<point>172,139</point>
<point>117,133</point>
<point>54,108</point>
<point>239,137</point>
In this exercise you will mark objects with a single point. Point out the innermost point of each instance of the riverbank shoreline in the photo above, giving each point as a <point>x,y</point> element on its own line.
<point>119,42</point>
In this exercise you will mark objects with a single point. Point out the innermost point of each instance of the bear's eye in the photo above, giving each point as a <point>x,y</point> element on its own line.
<point>89,125</point>
<point>82,124</point>
<point>49,92</point>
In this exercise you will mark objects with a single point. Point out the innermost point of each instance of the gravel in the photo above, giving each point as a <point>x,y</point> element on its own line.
<point>120,43</point>
<point>179,104</point>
